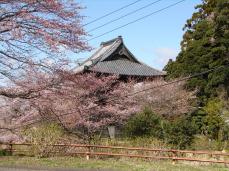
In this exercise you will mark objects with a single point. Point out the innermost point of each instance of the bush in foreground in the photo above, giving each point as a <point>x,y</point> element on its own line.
<point>43,137</point>
<point>145,123</point>
<point>179,132</point>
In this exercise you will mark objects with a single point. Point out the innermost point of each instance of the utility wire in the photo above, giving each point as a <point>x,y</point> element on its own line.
<point>144,90</point>
<point>108,14</point>
<point>179,80</point>
<point>132,94</point>
<point>134,21</point>
<point>123,16</point>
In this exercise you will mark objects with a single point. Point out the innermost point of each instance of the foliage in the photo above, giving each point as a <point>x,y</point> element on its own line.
<point>37,34</point>
<point>202,142</point>
<point>86,103</point>
<point>145,123</point>
<point>205,46</point>
<point>216,128</point>
<point>4,152</point>
<point>80,103</point>
<point>83,104</point>
<point>42,137</point>
<point>211,120</point>
<point>198,121</point>
<point>168,101</point>
<point>138,141</point>
<point>180,132</point>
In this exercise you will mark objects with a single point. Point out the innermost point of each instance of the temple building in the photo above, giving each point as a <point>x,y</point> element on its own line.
<point>113,57</point>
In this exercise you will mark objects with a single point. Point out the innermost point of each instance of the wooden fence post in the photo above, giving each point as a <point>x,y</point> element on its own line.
<point>88,153</point>
<point>174,156</point>
<point>11,149</point>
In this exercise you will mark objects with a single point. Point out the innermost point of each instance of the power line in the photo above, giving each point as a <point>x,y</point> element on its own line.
<point>130,94</point>
<point>108,14</point>
<point>179,80</point>
<point>148,89</point>
<point>134,21</point>
<point>144,90</point>
<point>123,16</point>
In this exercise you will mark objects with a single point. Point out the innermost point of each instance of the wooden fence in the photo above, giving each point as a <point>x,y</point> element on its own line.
<point>133,152</point>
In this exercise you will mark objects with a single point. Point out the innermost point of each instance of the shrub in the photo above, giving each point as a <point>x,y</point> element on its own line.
<point>43,137</point>
<point>198,121</point>
<point>4,152</point>
<point>204,143</point>
<point>214,122</point>
<point>145,123</point>
<point>180,133</point>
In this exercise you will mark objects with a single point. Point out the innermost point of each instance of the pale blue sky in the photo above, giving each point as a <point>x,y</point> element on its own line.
<point>152,40</point>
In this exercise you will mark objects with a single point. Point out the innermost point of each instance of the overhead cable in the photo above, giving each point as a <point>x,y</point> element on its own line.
<point>112,12</point>
<point>123,16</point>
<point>134,21</point>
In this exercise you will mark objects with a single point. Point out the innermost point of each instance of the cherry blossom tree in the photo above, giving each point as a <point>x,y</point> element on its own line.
<point>82,104</point>
<point>166,99</point>
<point>34,38</point>
<point>37,33</point>
<point>86,103</point>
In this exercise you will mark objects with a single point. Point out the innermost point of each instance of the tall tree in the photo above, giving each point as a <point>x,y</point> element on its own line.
<point>205,46</point>
<point>35,33</point>
<point>82,103</point>
<point>85,104</point>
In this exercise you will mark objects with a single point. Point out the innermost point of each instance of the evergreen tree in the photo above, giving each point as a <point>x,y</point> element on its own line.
<point>205,46</point>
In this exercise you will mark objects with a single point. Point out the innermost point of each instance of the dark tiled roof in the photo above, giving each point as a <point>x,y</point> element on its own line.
<point>124,67</point>
<point>100,61</point>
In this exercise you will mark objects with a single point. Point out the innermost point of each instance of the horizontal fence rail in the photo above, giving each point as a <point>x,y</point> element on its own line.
<point>164,154</point>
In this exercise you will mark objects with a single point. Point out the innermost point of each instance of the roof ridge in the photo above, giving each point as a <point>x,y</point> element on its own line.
<point>101,46</point>
<point>101,61</point>
<point>106,52</point>
<point>111,41</point>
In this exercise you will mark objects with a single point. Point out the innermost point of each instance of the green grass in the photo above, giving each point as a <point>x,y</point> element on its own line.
<point>116,164</point>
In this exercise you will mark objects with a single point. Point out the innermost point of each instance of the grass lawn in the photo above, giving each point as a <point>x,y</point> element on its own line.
<point>115,164</point>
